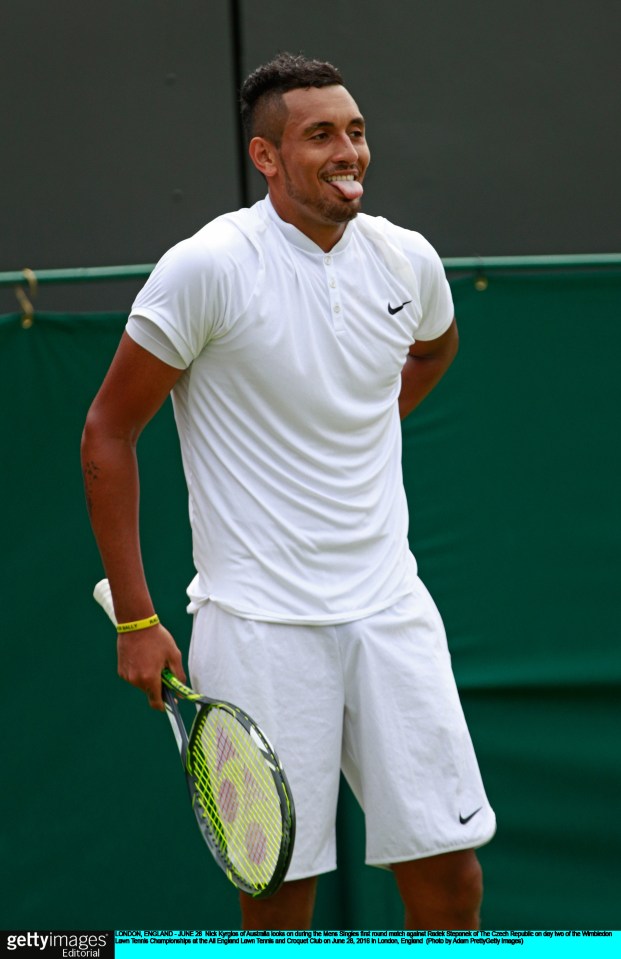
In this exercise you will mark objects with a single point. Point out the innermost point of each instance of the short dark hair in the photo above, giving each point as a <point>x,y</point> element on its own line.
<point>262,109</point>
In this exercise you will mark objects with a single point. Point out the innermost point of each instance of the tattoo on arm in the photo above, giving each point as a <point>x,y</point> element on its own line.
<point>91,471</point>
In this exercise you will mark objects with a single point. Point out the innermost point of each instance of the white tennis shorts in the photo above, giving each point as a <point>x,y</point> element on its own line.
<point>375,698</point>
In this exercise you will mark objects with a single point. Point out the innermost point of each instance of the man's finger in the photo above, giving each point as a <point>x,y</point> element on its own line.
<point>155,699</point>
<point>175,664</point>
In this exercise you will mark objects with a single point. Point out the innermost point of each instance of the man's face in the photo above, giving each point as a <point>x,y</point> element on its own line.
<point>320,163</point>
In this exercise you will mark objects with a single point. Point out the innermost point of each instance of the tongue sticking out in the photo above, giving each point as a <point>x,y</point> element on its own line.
<point>351,189</point>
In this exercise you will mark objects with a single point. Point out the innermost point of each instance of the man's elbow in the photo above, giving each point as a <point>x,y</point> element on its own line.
<point>101,431</point>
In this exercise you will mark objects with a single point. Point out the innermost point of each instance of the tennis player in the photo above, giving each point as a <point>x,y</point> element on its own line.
<point>293,336</point>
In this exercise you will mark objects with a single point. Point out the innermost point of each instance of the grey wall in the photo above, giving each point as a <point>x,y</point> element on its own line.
<point>493,125</point>
<point>120,137</point>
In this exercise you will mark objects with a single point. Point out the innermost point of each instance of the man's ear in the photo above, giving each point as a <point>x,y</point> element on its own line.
<point>263,154</point>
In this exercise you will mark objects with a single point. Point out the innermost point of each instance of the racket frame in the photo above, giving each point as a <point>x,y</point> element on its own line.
<point>173,688</point>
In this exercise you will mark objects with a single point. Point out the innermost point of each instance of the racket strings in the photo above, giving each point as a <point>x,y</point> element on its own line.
<point>238,797</point>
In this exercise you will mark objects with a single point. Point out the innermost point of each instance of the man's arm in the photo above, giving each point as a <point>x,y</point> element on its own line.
<point>135,387</point>
<point>426,364</point>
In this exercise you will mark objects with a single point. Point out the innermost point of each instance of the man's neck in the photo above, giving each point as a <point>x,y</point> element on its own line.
<point>324,234</point>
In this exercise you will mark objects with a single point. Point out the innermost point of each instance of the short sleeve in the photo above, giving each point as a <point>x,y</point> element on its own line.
<point>198,290</point>
<point>435,295</point>
<point>434,291</point>
<point>147,334</point>
<point>184,298</point>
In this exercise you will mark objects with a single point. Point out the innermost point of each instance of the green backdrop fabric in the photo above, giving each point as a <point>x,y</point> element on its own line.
<point>511,468</point>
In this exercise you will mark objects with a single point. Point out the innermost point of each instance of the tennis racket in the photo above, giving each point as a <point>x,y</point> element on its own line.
<point>238,789</point>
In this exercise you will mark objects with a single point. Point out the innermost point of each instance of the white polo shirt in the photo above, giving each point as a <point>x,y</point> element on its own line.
<point>287,411</point>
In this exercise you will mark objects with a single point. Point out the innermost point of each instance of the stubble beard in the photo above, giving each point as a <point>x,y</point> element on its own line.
<point>334,211</point>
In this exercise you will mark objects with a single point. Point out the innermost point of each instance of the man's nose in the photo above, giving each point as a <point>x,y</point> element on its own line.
<point>345,151</point>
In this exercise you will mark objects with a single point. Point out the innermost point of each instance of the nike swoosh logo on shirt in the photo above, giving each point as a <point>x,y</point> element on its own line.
<point>392,310</point>
<point>464,819</point>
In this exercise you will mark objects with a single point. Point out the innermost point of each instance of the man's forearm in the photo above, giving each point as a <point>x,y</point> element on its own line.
<point>418,377</point>
<point>424,367</point>
<point>112,495</point>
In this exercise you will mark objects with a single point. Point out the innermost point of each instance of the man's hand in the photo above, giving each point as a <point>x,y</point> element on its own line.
<point>143,655</point>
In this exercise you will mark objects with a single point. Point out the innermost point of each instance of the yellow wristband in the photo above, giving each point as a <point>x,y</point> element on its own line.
<point>139,624</point>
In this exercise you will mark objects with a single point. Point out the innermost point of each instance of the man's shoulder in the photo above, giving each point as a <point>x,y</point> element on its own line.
<point>228,242</point>
<point>405,252</point>
<point>235,229</point>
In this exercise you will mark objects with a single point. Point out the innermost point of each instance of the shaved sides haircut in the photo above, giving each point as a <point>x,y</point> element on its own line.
<point>263,110</point>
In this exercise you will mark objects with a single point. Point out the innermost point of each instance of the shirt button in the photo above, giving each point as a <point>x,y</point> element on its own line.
<point>333,284</point>
<point>327,260</point>
<point>337,308</point>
